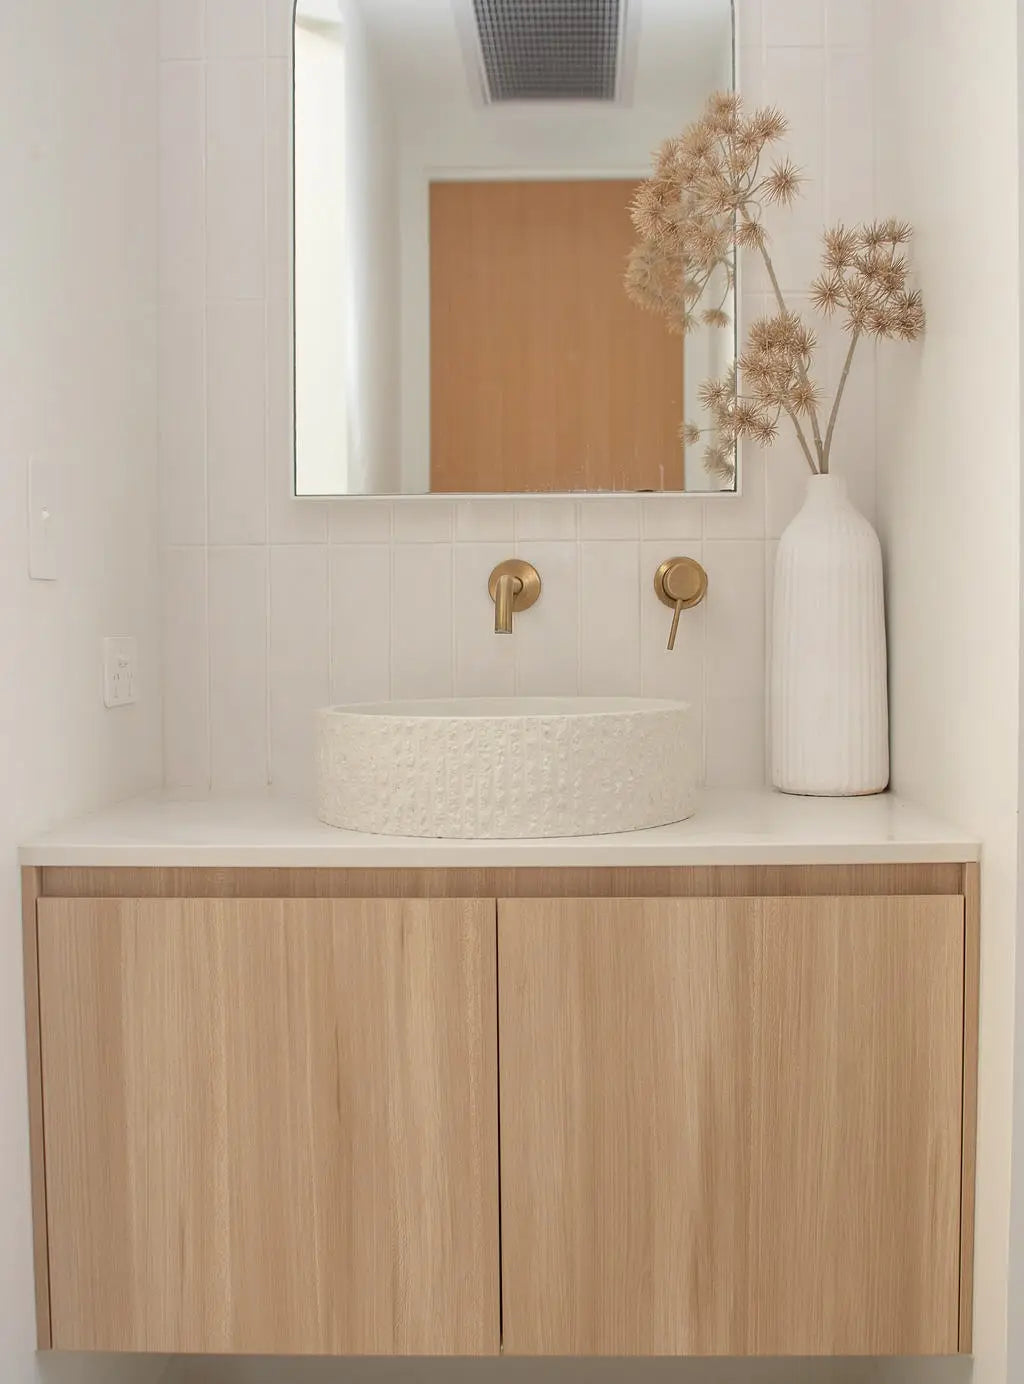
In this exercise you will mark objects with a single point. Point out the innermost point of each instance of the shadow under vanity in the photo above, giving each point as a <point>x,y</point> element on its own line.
<point>707,1089</point>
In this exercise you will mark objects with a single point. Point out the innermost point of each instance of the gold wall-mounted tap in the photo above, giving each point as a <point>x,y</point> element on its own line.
<point>680,583</point>
<point>513,585</point>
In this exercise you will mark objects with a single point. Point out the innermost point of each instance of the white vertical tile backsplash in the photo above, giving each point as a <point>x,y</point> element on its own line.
<point>238,635</point>
<point>182,29</point>
<point>235,29</point>
<point>749,24</point>
<point>851,137</point>
<point>849,23</point>
<point>289,520</point>
<point>734,653</point>
<point>274,604</point>
<point>236,227</point>
<point>236,421</point>
<point>182,183</point>
<point>482,521</point>
<point>669,517</point>
<point>300,671</point>
<point>734,747</point>
<point>543,519</point>
<point>278,151</point>
<point>422,521</point>
<point>421,626</point>
<point>793,23</point>
<point>182,422</point>
<point>185,668</point>
<point>785,483</point>
<point>547,637</point>
<point>359,521</point>
<point>609,618</point>
<point>279,27</point>
<point>601,517</point>
<point>360,634</point>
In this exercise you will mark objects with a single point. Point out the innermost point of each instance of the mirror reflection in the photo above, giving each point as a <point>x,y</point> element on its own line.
<point>464,171</point>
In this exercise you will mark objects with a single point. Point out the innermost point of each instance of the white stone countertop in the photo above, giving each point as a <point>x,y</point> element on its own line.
<point>732,827</point>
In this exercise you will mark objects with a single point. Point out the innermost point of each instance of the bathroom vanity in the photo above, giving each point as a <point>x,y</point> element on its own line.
<point>705,1089</point>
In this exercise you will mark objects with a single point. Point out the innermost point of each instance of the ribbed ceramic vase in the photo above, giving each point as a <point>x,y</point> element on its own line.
<point>829,704</point>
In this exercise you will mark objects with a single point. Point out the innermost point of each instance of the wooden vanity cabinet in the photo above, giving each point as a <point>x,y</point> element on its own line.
<point>270,1125</point>
<point>731,1126</point>
<point>736,1110</point>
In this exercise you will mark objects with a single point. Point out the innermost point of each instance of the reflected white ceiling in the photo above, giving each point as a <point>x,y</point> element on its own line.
<point>682,45</point>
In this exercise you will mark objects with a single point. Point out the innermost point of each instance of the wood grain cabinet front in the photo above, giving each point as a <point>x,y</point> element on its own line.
<point>731,1126</point>
<point>270,1126</point>
<point>728,1125</point>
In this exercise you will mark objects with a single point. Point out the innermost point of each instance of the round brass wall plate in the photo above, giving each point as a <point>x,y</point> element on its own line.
<point>681,580</point>
<point>528,593</point>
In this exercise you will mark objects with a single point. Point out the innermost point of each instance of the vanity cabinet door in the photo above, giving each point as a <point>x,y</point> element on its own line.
<point>271,1126</point>
<point>731,1126</point>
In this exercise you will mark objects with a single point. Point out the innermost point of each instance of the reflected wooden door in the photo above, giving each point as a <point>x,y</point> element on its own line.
<point>544,375</point>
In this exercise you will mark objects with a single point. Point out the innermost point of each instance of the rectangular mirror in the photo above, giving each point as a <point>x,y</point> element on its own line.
<point>464,171</point>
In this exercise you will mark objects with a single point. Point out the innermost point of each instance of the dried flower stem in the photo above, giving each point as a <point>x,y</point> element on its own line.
<point>822,465</point>
<point>801,438</point>
<point>854,338</point>
<point>796,421</point>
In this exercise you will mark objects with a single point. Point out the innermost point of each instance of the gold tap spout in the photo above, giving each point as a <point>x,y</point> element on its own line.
<point>505,593</point>
<point>513,586</point>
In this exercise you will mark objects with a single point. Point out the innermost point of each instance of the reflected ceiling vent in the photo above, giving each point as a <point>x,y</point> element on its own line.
<point>550,50</point>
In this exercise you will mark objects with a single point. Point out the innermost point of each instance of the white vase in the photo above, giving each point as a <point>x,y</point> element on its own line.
<point>829,706</point>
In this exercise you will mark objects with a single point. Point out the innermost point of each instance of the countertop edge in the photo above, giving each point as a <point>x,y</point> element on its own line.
<point>432,855</point>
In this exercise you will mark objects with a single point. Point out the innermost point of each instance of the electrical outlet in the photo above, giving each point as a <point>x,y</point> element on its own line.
<point>120,671</point>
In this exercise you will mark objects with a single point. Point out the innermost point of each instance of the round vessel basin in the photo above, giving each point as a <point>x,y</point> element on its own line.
<point>506,767</point>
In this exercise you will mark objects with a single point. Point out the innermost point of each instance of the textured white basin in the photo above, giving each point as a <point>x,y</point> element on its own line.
<point>506,767</point>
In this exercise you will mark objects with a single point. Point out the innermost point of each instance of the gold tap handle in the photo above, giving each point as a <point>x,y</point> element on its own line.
<point>675,625</point>
<point>680,583</point>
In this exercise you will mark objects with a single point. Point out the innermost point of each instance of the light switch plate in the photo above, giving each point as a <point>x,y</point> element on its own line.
<point>120,670</point>
<point>42,509</point>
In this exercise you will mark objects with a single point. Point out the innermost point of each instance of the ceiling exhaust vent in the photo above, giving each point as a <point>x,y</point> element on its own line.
<point>550,50</point>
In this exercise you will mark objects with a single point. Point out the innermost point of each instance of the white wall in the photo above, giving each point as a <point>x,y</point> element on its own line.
<point>321,251</point>
<point>78,388</point>
<point>275,606</point>
<point>346,275</point>
<point>949,505</point>
<point>371,254</point>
